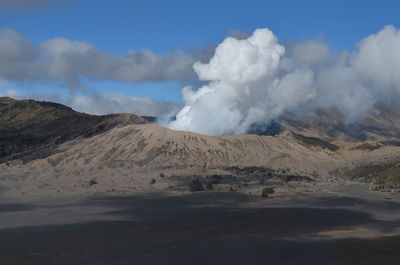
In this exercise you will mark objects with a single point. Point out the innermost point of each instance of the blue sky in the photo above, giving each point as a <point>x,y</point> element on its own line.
<point>162,27</point>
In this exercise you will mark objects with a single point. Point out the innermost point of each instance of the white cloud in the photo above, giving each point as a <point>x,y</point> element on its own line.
<point>244,87</point>
<point>377,63</point>
<point>247,81</point>
<point>8,90</point>
<point>252,81</point>
<point>60,59</point>
<point>106,103</point>
<point>97,103</point>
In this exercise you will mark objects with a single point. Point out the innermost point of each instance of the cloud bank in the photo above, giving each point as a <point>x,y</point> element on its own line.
<point>106,103</point>
<point>60,59</point>
<point>99,103</point>
<point>65,63</point>
<point>251,81</point>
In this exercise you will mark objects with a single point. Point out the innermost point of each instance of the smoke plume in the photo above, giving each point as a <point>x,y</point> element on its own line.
<point>254,80</point>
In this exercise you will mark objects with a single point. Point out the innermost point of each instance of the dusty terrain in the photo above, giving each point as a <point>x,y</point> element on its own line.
<point>124,154</point>
<point>128,158</point>
<point>347,226</point>
<point>83,189</point>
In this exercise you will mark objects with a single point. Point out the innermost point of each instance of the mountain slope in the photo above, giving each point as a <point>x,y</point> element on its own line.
<point>85,154</point>
<point>127,159</point>
<point>27,126</point>
<point>383,124</point>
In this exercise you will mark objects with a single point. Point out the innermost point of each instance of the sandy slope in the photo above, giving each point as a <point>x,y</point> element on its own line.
<point>126,159</point>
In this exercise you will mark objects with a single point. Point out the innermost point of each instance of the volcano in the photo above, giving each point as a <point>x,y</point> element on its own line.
<point>49,149</point>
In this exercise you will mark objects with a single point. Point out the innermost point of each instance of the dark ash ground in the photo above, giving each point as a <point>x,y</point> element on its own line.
<point>351,226</point>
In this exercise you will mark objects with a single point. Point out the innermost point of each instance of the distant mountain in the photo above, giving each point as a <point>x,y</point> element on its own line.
<point>382,124</point>
<point>31,128</point>
<point>329,123</point>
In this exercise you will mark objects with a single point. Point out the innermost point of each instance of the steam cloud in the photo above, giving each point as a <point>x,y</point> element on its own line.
<point>254,80</point>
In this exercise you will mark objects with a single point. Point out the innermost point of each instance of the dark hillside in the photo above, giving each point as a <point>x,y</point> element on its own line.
<point>32,128</point>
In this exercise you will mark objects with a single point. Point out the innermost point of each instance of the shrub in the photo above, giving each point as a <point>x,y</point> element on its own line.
<point>209,186</point>
<point>92,182</point>
<point>266,191</point>
<point>196,185</point>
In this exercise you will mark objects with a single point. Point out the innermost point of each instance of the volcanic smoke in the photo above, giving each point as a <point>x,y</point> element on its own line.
<point>254,80</point>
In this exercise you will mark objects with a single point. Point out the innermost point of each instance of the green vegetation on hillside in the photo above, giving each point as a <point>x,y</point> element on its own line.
<point>386,176</point>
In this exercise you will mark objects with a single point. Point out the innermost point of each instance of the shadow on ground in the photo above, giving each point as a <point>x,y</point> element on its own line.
<point>209,228</point>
